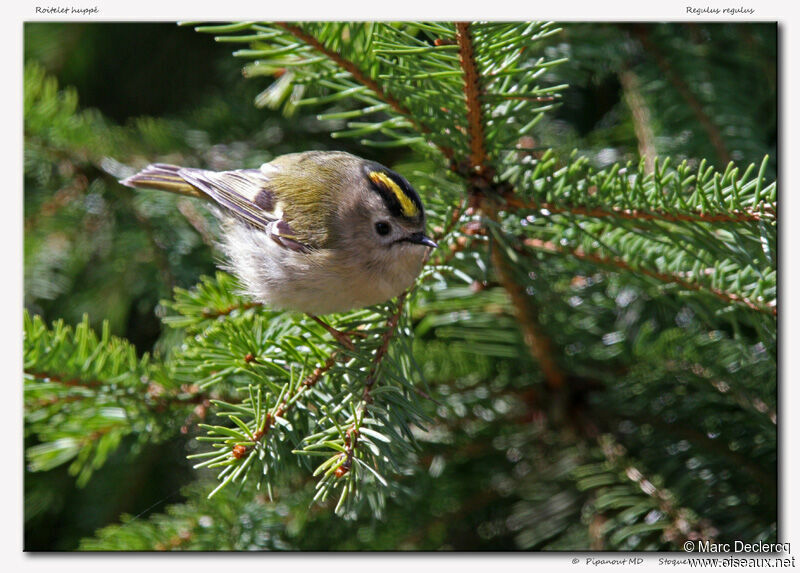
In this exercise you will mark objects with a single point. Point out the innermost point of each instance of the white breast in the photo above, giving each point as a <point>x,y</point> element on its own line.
<point>319,282</point>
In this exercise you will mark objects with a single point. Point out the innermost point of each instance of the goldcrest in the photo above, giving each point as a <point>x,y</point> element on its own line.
<point>317,232</point>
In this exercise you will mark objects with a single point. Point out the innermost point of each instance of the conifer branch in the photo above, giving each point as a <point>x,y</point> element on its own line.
<point>701,440</point>
<point>472,90</point>
<point>309,381</point>
<point>478,180</point>
<point>58,379</point>
<point>744,399</point>
<point>538,344</point>
<point>641,118</point>
<point>581,254</point>
<point>218,312</point>
<point>351,437</point>
<point>391,326</point>
<point>742,216</point>
<point>682,525</point>
<point>161,397</point>
<point>360,76</point>
<point>711,129</point>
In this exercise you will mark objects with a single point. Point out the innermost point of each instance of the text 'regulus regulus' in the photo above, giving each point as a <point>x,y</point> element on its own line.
<point>317,232</point>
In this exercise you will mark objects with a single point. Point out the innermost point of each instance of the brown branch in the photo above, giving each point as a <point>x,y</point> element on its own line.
<point>472,92</point>
<point>391,326</point>
<point>480,180</point>
<point>241,451</point>
<point>58,379</point>
<point>579,253</point>
<point>462,242</point>
<point>312,379</point>
<point>307,383</point>
<point>744,216</point>
<point>154,391</point>
<point>347,65</point>
<point>527,317</point>
<point>641,118</point>
<point>315,376</point>
<point>351,436</point>
<point>360,76</point>
<point>713,132</point>
<point>675,278</point>
<point>196,220</point>
<point>723,387</point>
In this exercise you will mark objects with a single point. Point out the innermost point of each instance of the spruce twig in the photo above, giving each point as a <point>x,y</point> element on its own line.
<point>641,118</point>
<point>360,76</point>
<point>741,216</point>
<point>479,180</point>
<point>579,253</point>
<point>711,129</point>
<point>472,90</point>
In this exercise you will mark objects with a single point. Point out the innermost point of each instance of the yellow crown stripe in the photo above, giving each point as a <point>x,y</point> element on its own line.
<point>407,206</point>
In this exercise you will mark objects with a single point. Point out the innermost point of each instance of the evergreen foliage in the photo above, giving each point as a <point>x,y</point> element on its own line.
<point>588,360</point>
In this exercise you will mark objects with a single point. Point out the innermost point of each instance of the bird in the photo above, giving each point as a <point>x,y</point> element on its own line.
<point>318,232</point>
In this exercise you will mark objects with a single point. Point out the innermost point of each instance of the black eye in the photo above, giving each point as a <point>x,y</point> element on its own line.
<point>382,228</point>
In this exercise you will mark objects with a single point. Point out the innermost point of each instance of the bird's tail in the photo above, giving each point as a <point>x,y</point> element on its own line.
<point>164,178</point>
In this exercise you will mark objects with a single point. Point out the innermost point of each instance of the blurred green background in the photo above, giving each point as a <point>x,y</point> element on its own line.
<point>101,99</point>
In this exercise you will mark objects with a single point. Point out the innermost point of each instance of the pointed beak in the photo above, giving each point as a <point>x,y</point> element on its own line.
<point>421,239</point>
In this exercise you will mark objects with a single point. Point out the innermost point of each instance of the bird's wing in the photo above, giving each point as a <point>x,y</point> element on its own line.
<point>244,193</point>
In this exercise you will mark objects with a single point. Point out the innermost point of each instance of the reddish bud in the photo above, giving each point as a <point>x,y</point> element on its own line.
<point>477,286</point>
<point>239,452</point>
